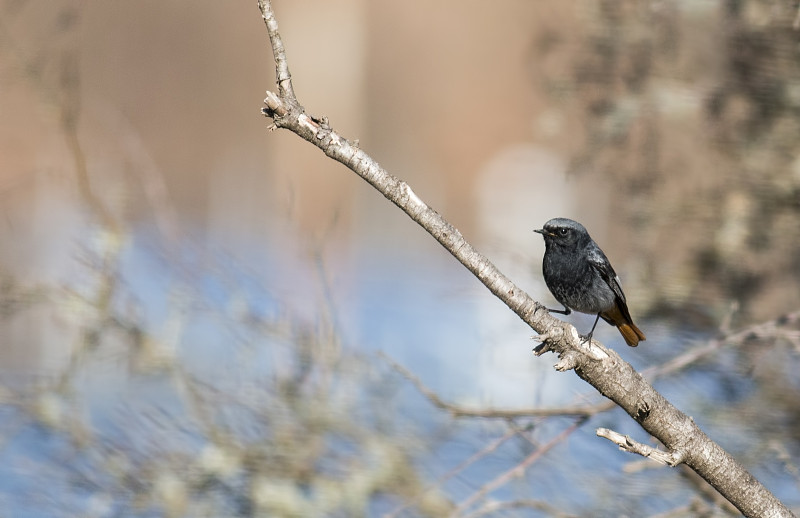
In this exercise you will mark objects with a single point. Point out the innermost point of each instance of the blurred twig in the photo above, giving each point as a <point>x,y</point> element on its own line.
<point>491,508</point>
<point>486,450</point>
<point>459,411</point>
<point>518,470</point>
<point>772,329</point>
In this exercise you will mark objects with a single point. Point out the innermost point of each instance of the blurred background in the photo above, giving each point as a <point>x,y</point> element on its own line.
<point>200,317</point>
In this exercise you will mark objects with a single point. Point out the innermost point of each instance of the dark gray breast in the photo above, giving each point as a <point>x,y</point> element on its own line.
<point>575,283</point>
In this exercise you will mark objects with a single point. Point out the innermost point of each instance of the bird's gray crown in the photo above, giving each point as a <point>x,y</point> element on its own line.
<point>557,223</point>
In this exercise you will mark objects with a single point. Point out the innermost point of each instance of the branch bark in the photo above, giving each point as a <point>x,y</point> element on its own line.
<point>599,366</point>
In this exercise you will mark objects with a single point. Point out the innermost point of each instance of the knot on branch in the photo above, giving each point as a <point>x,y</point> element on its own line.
<point>642,410</point>
<point>568,361</point>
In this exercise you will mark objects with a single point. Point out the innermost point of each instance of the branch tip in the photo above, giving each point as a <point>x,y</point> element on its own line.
<point>283,76</point>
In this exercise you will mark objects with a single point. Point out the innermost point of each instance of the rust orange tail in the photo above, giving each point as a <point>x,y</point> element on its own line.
<point>620,317</point>
<point>632,334</point>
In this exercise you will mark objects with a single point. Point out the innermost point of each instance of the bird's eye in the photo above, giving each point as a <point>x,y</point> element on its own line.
<point>563,231</point>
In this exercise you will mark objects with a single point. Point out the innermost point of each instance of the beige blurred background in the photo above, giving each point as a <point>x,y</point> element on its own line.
<point>665,125</point>
<point>668,128</point>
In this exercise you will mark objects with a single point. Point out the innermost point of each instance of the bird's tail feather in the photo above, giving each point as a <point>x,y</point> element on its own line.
<point>632,334</point>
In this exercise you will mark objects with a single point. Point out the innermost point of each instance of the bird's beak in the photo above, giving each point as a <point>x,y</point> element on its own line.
<point>540,231</point>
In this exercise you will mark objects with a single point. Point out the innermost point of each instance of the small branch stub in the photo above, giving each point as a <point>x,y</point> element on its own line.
<point>275,108</point>
<point>626,443</point>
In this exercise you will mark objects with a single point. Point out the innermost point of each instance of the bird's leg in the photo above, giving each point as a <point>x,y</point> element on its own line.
<point>589,336</point>
<point>565,311</point>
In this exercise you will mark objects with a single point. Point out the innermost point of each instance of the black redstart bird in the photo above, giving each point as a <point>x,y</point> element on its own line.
<point>580,277</point>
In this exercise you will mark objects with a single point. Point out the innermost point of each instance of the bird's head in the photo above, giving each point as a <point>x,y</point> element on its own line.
<point>563,232</point>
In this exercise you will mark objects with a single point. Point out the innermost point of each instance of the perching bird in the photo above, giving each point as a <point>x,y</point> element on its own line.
<point>580,277</point>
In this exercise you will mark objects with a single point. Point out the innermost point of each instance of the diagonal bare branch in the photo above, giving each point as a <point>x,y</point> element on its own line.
<point>599,366</point>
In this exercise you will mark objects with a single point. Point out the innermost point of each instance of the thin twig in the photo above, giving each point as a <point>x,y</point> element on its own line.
<point>771,329</point>
<point>518,470</point>
<point>486,450</point>
<point>626,443</point>
<point>494,508</point>
<point>459,411</point>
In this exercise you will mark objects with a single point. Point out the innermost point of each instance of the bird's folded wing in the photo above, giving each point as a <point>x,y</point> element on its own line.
<point>599,261</point>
